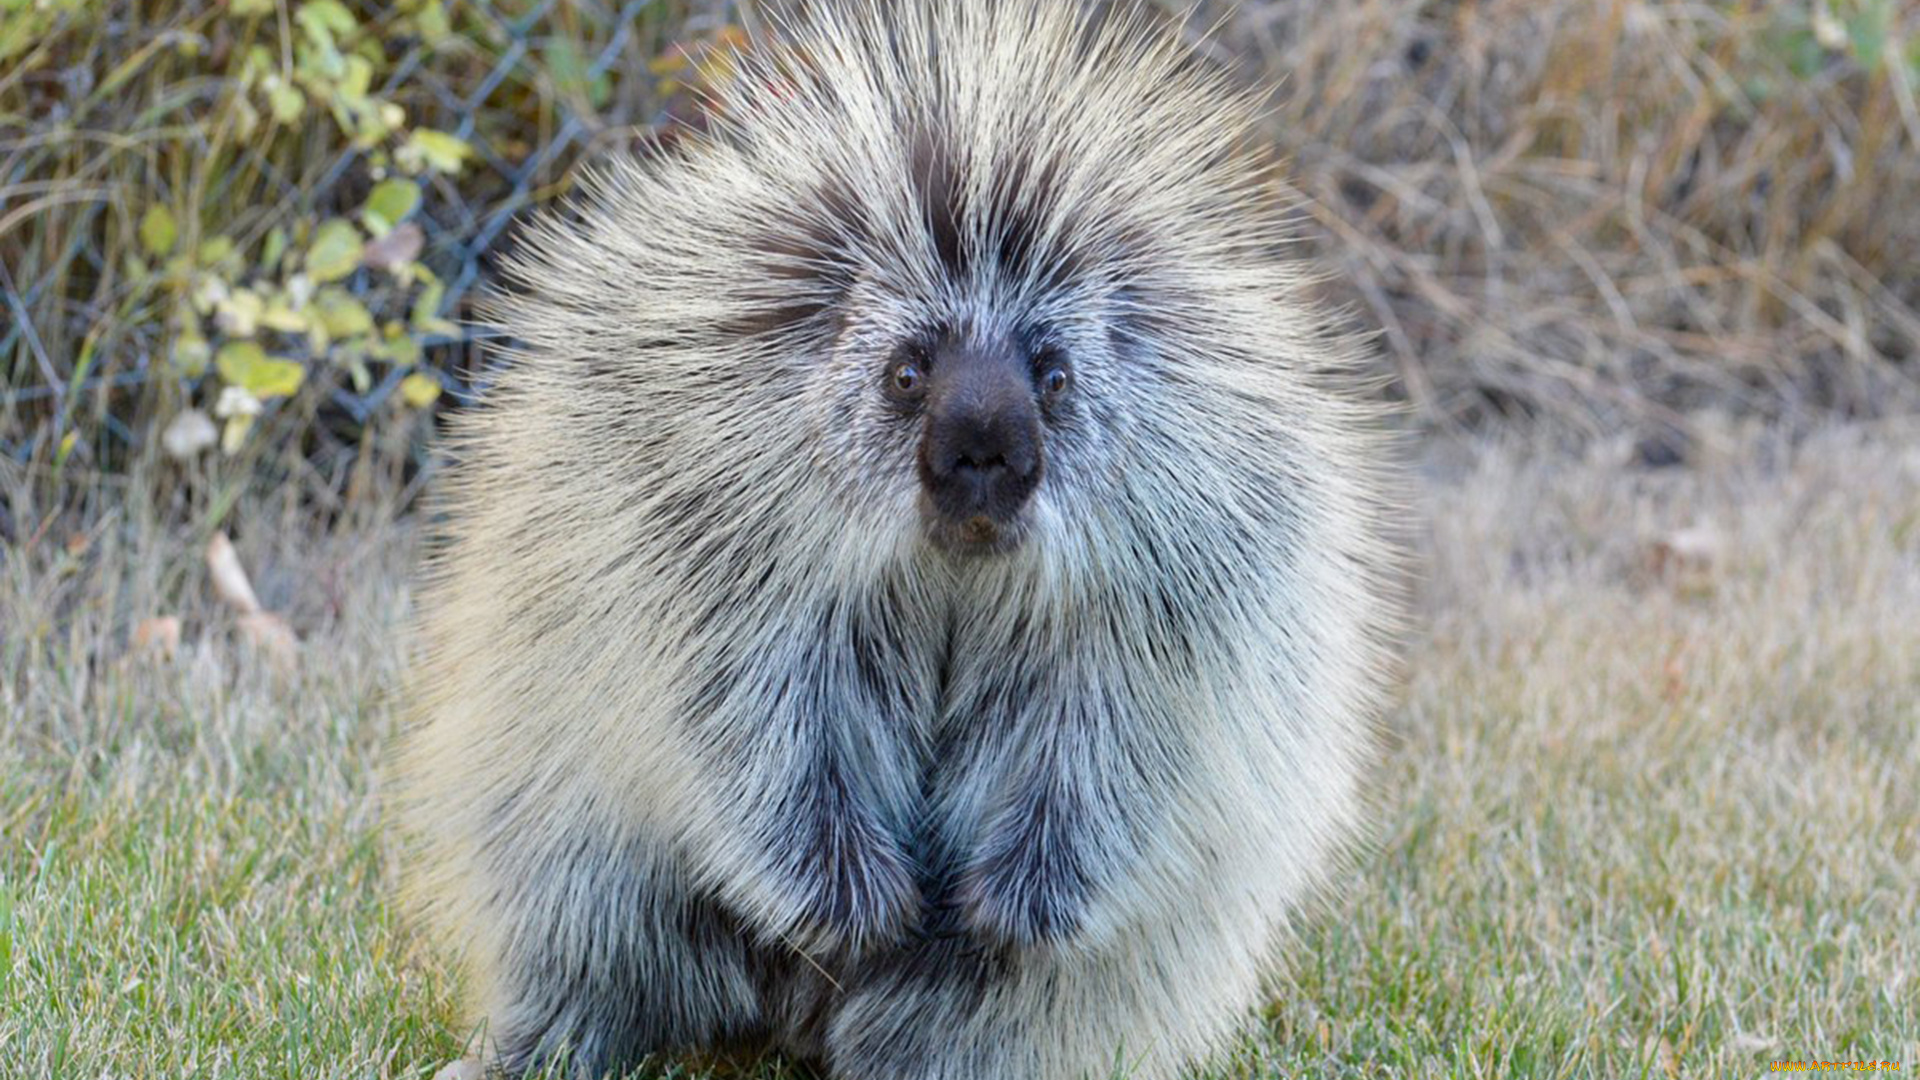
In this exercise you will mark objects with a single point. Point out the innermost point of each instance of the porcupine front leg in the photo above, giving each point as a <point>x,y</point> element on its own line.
<point>1059,850</point>
<point>1055,790</point>
<point>1041,958</point>
<point>949,1008</point>
<point>589,949</point>
<point>812,784</point>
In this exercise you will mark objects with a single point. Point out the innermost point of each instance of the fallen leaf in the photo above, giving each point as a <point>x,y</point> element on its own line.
<point>270,636</point>
<point>158,636</point>
<point>229,579</point>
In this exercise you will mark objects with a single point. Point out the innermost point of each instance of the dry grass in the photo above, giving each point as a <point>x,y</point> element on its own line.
<point>1644,813</point>
<point>1608,211</point>
<point>1648,813</point>
<point>194,878</point>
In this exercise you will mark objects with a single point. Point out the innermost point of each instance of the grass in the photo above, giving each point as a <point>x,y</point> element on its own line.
<point>1647,809</point>
<point>1645,814</point>
<point>195,880</point>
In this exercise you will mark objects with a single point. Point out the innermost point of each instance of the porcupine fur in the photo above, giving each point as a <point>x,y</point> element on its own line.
<point>755,713</point>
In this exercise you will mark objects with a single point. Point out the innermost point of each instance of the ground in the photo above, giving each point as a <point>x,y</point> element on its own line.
<point>1646,804</point>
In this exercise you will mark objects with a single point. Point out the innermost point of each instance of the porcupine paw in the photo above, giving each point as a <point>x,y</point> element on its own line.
<point>851,888</point>
<point>1025,893</point>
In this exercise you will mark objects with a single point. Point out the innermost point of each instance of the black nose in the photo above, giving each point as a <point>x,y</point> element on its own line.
<point>981,453</point>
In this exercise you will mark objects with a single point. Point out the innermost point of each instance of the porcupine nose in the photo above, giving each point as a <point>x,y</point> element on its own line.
<point>981,455</point>
<point>986,461</point>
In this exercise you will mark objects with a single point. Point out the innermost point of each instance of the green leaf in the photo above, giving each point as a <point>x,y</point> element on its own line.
<point>256,62</point>
<point>157,230</point>
<point>397,347</point>
<point>426,310</point>
<point>239,313</point>
<point>435,150</point>
<point>431,22</point>
<point>323,22</point>
<point>419,390</point>
<point>1867,32</point>
<point>246,118</point>
<point>389,204</point>
<point>237,361</point>
<point>340,315</point>
<point>326,17</point>
<point>280,315</point>
<point>335,250</point>
<point>285,101</point>
<point>247,8</point>
<point>427,304</point>
<point>191,353</point>
<point>357,80</point>
<point>275,246</point>
<point>218,253</point>
<point>246,365</point>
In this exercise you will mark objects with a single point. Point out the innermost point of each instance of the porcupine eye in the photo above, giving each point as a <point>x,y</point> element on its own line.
<point>906,379</point>
<point>1056,375</point>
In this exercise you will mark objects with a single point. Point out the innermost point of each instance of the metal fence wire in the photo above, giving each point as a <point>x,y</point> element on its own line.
<point>606,47</point>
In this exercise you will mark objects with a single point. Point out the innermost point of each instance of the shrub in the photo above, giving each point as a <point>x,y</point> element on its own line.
<point>269,214</point>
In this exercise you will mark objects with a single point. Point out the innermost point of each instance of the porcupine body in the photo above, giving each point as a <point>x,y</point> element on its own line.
<point>914,600</point>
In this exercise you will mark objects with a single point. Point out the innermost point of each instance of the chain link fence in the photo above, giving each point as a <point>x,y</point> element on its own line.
<point>530,87</point>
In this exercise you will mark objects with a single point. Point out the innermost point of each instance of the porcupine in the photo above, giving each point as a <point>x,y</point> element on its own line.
<point>915,598</point>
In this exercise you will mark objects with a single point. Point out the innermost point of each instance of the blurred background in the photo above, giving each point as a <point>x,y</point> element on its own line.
<point>1641,277</point>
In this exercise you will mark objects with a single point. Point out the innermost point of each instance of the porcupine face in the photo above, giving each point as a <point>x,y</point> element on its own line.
<point>978,412</point>
<point>977,390</point>
<point>981,260</point>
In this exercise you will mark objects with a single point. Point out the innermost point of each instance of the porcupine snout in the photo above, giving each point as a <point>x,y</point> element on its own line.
<point>983,449</point>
